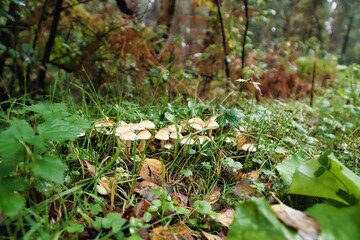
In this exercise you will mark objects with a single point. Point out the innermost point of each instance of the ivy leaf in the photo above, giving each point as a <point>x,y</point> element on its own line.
<point>49,168</point>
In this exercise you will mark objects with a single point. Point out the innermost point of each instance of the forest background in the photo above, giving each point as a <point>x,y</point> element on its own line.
<point>188,47</point>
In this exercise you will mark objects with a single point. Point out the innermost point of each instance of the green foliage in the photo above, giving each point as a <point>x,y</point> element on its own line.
<point>326,177</point>
<point>255,220</point>
<point>337,223</point>
<point>26,148</point>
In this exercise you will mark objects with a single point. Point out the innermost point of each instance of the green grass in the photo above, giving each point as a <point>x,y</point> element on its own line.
<point>279,130</point>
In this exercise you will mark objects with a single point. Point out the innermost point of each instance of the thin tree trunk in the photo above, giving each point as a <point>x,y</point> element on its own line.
<point>223,39</point>
<point>245,34</point>
<point>351,18</point>
<point>166,15</point>
<point>49,45</point>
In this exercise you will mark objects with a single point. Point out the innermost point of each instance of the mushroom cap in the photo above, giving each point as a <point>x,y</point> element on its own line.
<point>137,127</point>
<point>175,135</point>
<point>196,126</point>
<point>100,124</point>
<point>121,123</point>
<point>187,141</point>
<point>197,121</point>
<point>168,146</point>
<point>121,129</point>
<point>103,186</point>
<point>143,135</point>
<point>128,136</point>
<point>211,124</point>
<point>172,128</point>
<point>162,135</point>
<point>215,117</point>
<point>147,124</point>
<point>202,139</point>
<point>248,147</point>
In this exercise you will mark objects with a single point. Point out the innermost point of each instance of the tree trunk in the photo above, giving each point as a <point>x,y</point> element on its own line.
<point>245,34</point>
<point>346,38</point>
<point>166,15</point>
<point>124,8</point>
<point>49,45</point>
<point>223,39</point>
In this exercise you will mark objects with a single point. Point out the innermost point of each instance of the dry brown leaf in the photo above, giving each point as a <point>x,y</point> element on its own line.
<point>152,171</point>
<point>240,140</point>
<point>209,236</point>
<point>308,228</point>
<point>227,216</point>
<point>244,189</point>
<point>253,175</point>
<point>141,208</point>
<point>90,168</point>
<point>180,199</point>
<point>178,231</point>
<point>144,189</point>
<point>214,196</point>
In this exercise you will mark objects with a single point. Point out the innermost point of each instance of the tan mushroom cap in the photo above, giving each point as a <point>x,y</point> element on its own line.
<point>187,141</point>
<point>102,125</point>
<point>103,186</point>
<point>162,135</point>
<point>121,129</point>
<point>175,135</point>
<point>215,117</point>
<point>211,124</point>
<point>202,139</point>
<point>121,123</point>
<point>196,126</point>
<point>137,127</point>
<point>168,146</point>
<point>197,121</point>
<point>128,136</point>
<point>143,135</point>
<point>248,147</point>
<point>147,124</point>
<point>172,128</point>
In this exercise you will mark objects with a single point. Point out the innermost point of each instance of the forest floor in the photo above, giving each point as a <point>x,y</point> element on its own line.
<point>268,170</point>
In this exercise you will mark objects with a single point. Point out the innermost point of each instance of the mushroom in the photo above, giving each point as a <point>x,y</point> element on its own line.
<point>147,124</point>
<point>119,130</point>
<point>248,147</point>
<point>211,124</point>
<point>201,139</point>
<point>163,136</point>
<point>127,137</point>
<point>197,121</point>
<point>101,126</point>
<point>168,146</point>
<point>103,186</point>
<point>186,141</point>
<point>174,136</point>
<point>174,128</point>
<point>136,127</point>
<point>143,136</point>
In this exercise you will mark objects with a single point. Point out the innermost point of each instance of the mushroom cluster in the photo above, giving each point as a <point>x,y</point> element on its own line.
<point>187,132</point>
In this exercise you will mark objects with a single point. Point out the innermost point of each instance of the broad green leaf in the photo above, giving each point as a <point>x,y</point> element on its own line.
<point>335,181</point>
<point>255,220</point>
<point>49,168</point>
<point>12,184</point>
<point>74,227</point>
<point>50,111</point>
<point>337,223</point>
<point>288,168</point>
<point>11,203</point>
<point>97,223</point>
<point>203,207</point>
<point>19,129</point>
<point>58,130</point>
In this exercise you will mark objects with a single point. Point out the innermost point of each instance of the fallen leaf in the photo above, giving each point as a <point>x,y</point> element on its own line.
<point>248,147</point>
<point>308,228</point>
<point>90,168</point>
<point>180,199</point>
<point>209,236</point>
<point>253,175</point>
<point>141,208</point>
<point>240,140</point>
<point>226,218</point>
<point>178,231</point>
<point>152,170</point>
<point>103,186</point>
<point>244,189</point>
<point>214,196</point>
<point>144,189</point>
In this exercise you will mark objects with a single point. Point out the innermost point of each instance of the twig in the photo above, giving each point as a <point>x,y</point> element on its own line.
<point>245,34</point>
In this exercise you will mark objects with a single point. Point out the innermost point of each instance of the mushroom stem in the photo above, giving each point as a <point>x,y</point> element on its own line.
<point>162,143</point>
<point>141,146</point>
